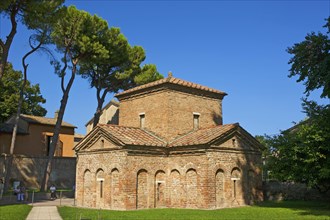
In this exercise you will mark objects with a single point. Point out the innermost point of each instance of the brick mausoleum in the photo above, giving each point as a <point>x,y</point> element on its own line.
<point>171,150</point>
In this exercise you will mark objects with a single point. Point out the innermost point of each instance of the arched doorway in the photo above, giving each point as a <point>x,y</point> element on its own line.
<point>219,188</point>
<point>160,189</point>
<point>142,194</point>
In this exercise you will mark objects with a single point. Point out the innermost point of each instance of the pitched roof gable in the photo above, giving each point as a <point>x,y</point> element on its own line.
<point>203,136</point>
<point>132,136</point>
<point>122,135</point>
<point>170,81</point>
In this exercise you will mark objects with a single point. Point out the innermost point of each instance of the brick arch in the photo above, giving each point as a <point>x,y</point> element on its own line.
<point>142,189</point>
<point>176,189</point>
<point>190,166</point>
<point>219,188</point>
<point>191,188</point>
<point>219,166</point>
<point>180,169</point>
<point>112,167</point>
<point>159,188</point>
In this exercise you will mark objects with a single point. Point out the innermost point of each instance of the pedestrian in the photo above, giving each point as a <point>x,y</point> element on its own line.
<point>2,185</point>
<point>52,191</point>
<point>22,192</point>
<point>16,192</point>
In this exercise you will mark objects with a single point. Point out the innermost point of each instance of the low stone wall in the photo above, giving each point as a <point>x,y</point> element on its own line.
<point>277,191</point>
<point>29,170</point>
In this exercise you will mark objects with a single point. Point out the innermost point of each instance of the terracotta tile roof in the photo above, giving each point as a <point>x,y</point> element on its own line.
<point>137,136</point>
<point>202,136</point>
<point>171,80</point>
<point>43,120</point>
<point>133,136</point>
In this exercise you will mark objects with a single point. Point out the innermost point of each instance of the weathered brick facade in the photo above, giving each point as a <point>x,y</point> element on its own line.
<point>169,150</point>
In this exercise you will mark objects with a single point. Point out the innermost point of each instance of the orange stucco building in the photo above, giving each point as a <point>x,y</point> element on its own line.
<point>34,136</point>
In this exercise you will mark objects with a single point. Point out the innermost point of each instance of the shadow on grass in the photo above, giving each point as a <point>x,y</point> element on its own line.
<point>315,208</point>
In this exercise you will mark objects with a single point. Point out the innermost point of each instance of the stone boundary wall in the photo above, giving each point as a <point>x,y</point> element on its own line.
<point>277,191</point>
<point>29,170</point>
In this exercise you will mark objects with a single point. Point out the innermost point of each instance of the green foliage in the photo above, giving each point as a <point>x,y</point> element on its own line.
<point>118,69</point>
<point>302,153</point>
<point>311,61</point>
<point>148,74</point>
<point>14,211</point>
<point>76,36</point>
<point>37,15</point>
<point>121,69</point>
<point>266,210</point>
<point>9,95</point>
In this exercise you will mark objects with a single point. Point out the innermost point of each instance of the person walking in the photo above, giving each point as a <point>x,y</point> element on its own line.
<point>52,192</point>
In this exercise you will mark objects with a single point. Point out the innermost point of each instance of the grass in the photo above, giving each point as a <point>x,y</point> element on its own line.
<point>16,212</point>
<point>266,210</point>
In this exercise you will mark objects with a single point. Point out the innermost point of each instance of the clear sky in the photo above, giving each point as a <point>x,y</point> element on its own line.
<point>238,47</point>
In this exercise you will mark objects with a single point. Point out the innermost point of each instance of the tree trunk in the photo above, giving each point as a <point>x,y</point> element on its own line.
<point>18,113</point>
<point>100,101</point>
<point>65,97</point>
<point>8,165</point>
<point>6,46</point>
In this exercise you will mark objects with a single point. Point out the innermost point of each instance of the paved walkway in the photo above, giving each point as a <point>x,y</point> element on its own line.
<point>44,213</point>
<point>47,209</point>
<point>42,208</point>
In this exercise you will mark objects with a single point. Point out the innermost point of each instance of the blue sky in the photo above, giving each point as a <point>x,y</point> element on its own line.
<point>238,47</point>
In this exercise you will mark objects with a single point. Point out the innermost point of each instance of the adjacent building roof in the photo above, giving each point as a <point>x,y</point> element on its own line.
<point>43,120</point>
<point>7,127</point>
<point>112,102</point>
<point>171,81</point>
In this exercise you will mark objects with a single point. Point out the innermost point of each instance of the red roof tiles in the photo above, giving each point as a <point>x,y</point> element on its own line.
<point>202,136</point>
<point>133,136</point>
<point>141,137</point>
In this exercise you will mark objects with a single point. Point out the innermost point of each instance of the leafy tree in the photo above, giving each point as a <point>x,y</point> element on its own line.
<point>32,13</point>
<point>78,37</point>
<point>311,61</point>
<point>302,153</point>
<point>119,70</point>
<point>9,95</point>
<point>36,15</point>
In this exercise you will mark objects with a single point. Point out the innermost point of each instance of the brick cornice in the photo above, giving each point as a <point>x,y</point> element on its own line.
<point>172,84</point>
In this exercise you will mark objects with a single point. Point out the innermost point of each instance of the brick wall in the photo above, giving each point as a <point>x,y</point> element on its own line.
<point>196,180</point>
<point>30,171</point>
<point>169,113</point>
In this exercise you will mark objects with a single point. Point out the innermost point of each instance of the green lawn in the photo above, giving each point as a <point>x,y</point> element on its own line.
<point>266,210</point>
<point>15,212</point>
